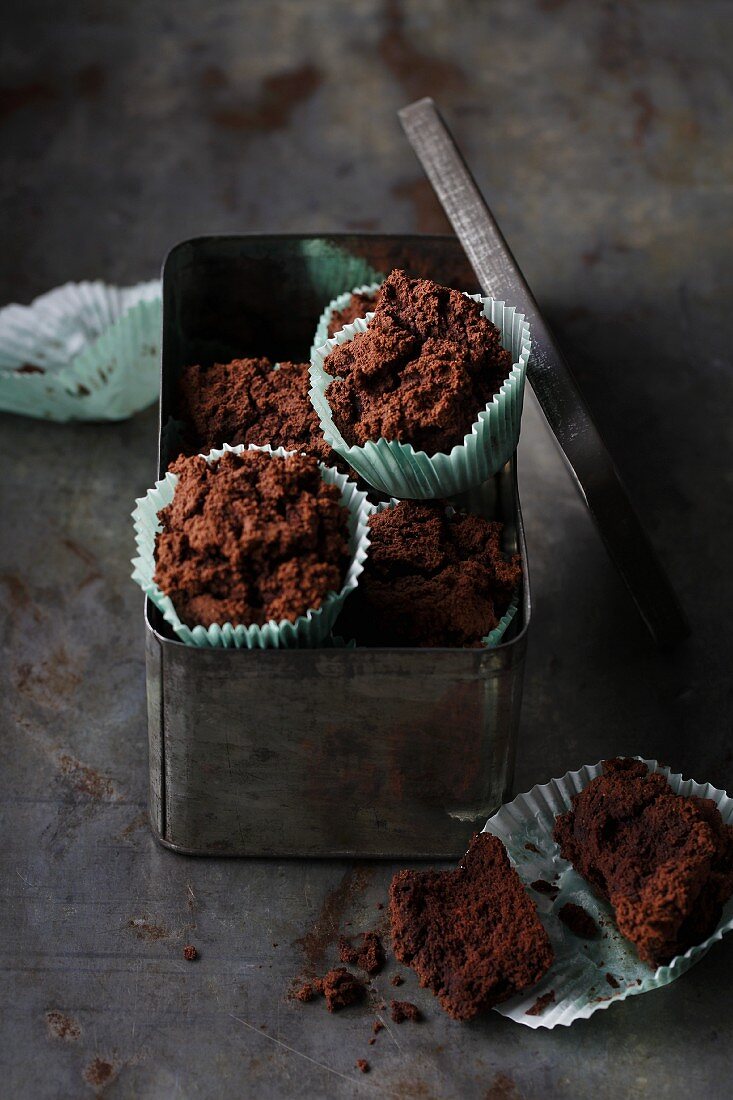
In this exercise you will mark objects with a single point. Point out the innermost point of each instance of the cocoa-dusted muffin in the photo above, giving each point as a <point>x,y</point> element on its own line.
<point>426,366</point>
<point>431,579</point>
<point>250,537</point>
<point>665,862</point>
<point>247,401</point>
<point>471,935</point>
<point>358,305</point>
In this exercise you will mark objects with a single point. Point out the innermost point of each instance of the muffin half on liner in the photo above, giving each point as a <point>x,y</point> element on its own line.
<point>397,469</point>
<point>337,304</point>
<point>84,351</point>
<point>308,631</point>
<point>587,974</point>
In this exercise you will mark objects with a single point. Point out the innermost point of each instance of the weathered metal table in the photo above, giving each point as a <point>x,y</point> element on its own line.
<point>611,175</point>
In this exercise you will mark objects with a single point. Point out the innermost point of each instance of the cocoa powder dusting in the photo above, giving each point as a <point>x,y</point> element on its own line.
<point>664,861</point>
<point>430,579</point>
<point>472,935</point>
<point>247,401</point>
<point>249,538</point>
<point>358,305</point>
<point>421,373</point>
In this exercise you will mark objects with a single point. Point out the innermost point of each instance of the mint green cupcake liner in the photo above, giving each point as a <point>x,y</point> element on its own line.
<point>397,469</point>
<point>84,351</point>
<point>339,302</point>
<point>307,631</point>
<point>494,637</point>
<point>578,975</point>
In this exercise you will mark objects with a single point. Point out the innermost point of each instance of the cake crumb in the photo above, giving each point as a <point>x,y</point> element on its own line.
<point>543,887</point>
<point>368,955</point>
<point>397,979</point>
<point>612,981</point>
<point>362,1064</point>
<point>541,1004</point>
<point>341,989</point>
<point>405,1010</point>
<point>532,848</point>
<point>190,953</point>
<point>305,993</point>
<point>377,1026</point>
<point>579,921</point>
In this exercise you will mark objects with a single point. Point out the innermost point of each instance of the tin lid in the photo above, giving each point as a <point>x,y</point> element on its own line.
<point>564,407</point>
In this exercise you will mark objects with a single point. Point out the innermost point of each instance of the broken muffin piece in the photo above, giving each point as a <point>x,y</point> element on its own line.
<point>664,861</point>
<point>472,935</point>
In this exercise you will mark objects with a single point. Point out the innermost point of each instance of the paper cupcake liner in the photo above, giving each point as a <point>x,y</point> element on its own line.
<point>578,975</point>
<point>339,302</point>
<point>307,631</point>
<point>492,639</point>
<point>97,348</point>
<point>397,468</point>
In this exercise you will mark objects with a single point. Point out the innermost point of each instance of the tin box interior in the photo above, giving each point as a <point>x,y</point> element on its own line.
<point>331,752</point>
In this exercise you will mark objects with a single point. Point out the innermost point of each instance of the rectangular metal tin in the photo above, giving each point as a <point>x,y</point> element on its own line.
<point>333,752</point>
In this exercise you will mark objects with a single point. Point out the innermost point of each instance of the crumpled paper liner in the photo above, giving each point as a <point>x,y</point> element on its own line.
<point>89,352</point>
<point>308,631</point>
<point>397,469</point>
<point>339,302</point>
<point>578,975</point>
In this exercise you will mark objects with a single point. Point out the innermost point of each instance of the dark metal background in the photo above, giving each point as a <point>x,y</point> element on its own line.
<point>601,134</point>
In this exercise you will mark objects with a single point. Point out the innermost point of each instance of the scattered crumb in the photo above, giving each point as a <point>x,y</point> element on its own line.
<point>404,1010</point>
<point>533,848</point>
<point>541,1004</point>
<point>98,1072</point>
<point>362,1064</point>
<point>380,905</point>
<point>578,921</point>
<point>377,1026</point>
<point>612,981</point>
<point>341,989</point>
<point>305,993</point>
<point>190,953</point>
<point>368,954</point>
<point>396,980</point>
<point>275,945</point>
<point>544,887</point>
<point>372,1041</point>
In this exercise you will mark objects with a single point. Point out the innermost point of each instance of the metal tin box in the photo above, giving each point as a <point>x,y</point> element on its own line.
<point>331,752</point>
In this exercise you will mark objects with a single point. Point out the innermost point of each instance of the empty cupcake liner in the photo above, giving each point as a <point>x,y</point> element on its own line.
<point>339,302</point>
<point>84,351</point>
<point>307,631</point>
<point>397,469</point>
<point>578,976</point>
<point>494,636</point>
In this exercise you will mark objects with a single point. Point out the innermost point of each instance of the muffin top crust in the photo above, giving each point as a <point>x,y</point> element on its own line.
<point>247,401</point>
<point>427,364</point>
<point>250,537</point>
<point>431,579</point>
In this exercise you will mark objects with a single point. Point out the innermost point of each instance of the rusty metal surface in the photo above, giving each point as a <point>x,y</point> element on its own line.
<point>126,128</point>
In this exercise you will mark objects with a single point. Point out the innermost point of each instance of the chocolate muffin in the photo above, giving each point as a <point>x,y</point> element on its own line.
<point>358,305</point>
<point>247,401</point>
<point>471,935</point>
<point>249,538</point>
<point>665,862</point>
<point>431,579</point>
<point>428,363</point>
